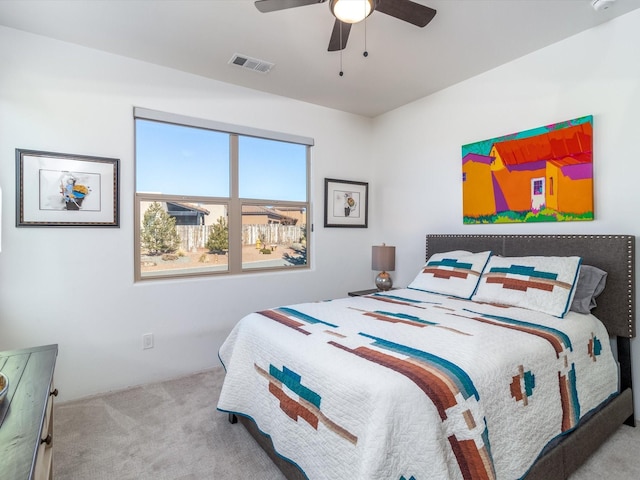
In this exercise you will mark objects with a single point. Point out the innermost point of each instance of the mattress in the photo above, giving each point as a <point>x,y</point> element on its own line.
<point>407,384</point>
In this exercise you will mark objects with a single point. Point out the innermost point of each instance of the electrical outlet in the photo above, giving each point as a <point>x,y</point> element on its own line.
<point>147,341</point>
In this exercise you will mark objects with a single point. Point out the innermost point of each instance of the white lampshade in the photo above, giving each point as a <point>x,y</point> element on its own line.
<point>351,11</point>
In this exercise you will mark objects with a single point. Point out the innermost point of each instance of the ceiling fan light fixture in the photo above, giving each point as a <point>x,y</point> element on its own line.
<point>352,11</point>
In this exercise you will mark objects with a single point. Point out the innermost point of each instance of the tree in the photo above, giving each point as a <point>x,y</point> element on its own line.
<point>159,233</point>
<point>218,241</point>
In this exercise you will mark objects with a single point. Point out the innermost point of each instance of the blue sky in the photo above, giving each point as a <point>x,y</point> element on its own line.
<point>178,160</point>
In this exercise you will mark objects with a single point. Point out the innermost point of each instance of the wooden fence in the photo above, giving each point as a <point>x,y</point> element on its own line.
<point>194,237</point>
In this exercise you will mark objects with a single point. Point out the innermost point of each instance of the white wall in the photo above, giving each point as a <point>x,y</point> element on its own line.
<point>74,286</point>
<point>417,148</point>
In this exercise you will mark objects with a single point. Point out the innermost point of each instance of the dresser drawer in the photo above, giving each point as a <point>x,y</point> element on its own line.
<point>43,469</point>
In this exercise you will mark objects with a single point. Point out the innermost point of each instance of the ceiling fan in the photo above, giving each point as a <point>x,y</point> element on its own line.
<point>348,12</point>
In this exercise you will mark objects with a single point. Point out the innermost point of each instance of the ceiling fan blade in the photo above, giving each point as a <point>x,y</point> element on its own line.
<point>407,10</point>
<point>336,37</point>
<point>272,5</point>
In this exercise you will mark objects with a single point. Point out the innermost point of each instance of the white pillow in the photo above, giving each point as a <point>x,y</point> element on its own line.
<point>545,284</point>
<point>452,273</point>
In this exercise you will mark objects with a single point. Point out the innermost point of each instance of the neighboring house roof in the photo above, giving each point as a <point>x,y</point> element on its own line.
<point>190,206</point>
<point>559,145</point>
<point>289,209</point>
<point>269,212</point>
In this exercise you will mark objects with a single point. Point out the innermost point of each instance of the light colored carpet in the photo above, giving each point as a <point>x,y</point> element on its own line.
<point>172,430</point>
<point>164,431</point>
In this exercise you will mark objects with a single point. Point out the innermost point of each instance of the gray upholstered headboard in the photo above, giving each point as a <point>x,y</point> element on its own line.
<point>614,254</point>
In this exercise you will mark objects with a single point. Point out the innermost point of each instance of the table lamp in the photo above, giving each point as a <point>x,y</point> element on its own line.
<point>383,257</point>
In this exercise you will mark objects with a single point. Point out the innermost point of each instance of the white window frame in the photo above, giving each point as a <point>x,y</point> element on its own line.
<point>234,202</point>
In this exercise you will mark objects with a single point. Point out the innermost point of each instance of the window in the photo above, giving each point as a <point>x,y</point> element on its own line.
<point>538,186</point>
<point>214,198</point>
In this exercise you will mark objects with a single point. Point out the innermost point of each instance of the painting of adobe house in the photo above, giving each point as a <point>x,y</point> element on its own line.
<point>540,175</point>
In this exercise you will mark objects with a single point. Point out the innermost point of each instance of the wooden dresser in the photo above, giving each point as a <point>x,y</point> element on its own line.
<point>26,414</point>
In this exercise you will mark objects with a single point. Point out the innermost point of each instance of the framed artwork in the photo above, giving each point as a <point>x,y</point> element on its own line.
<point>63,190</point>
<point>544,174</point>
<point>345,203</point>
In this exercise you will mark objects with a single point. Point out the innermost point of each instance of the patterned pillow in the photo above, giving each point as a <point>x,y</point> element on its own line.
<point>453,273</point>
<point>545,284</point>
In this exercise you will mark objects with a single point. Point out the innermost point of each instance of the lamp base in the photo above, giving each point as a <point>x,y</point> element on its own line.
<point>383,281</point>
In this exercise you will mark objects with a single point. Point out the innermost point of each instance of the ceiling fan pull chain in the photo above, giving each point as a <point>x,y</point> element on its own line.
<point>365,53</point>
<point>341,72</point>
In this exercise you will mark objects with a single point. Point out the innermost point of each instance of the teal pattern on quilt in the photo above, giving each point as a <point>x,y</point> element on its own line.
<point>574,393</point>
<point>405,316</point>
<point>525,271</point>
<point>529,382</point>
<point>303,316</point>
<point>450,262</point>
<point>535,326</point>
<point>453,371</point>
<point>293,381</point>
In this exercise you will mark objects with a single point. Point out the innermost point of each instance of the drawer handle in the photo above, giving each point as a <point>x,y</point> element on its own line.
<point>54,393</point>
<point>47,440</point>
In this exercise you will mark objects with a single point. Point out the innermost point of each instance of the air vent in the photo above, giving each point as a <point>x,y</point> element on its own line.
<point>251,63</point>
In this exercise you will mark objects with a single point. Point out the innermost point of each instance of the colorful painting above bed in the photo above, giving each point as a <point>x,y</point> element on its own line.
<point>540,175</point>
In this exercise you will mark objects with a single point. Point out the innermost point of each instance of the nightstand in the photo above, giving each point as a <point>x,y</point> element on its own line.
<point>360,293</point>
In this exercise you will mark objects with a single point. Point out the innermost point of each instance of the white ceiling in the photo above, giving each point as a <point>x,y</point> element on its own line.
<point>467,37</point>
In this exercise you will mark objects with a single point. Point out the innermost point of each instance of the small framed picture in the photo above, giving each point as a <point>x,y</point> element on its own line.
<point>63,190</point>
<point>345,203</point>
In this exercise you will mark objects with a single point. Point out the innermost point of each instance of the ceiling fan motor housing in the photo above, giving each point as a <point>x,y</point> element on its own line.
<point>343,15</point>
<point>601,4</point>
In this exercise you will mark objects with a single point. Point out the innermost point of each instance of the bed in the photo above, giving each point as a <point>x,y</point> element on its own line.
<point>411,384</point>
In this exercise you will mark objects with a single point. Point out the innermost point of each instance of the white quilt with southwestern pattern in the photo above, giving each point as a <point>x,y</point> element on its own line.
<point>406,385</point>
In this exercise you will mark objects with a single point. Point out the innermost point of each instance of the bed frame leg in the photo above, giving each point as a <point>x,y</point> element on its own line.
<point>232,418</point>
<point>624,358</point>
